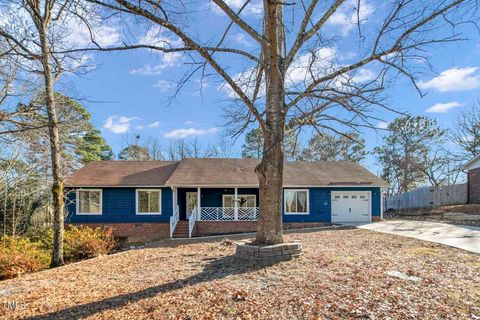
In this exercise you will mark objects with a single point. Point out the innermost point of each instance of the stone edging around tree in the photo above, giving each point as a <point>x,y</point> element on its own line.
<point>276,252</point>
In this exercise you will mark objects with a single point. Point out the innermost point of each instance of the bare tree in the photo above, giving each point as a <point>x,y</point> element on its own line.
<point>224,148</point>
<point>181,148</point>
<point>32,34</point>
<point>466,134</point>
<point>253,146</point>
<point>327,147</point>
<point>23,192</point>
<point>140,148</point>
<point>293,77</point>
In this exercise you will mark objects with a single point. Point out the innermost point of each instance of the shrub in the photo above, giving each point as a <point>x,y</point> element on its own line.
<point>20,255</point>
<point>82,242</point>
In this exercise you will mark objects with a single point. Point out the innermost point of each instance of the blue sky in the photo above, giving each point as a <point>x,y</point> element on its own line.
<point>127,93</point>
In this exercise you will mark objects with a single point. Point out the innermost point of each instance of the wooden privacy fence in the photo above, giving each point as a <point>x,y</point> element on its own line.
<point>428,197</point>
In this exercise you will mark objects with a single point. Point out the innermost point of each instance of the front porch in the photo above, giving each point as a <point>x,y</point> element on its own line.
<point>227,204</point>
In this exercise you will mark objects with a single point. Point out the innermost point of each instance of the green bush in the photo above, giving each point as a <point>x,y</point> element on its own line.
<point>20,255</point>
<point>82,242</point>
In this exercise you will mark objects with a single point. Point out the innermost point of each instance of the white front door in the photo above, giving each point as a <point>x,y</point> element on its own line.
<point>351,206</point>
<point>192,202</point>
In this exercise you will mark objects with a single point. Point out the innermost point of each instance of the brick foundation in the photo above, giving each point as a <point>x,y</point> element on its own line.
<point>136,232</point>
<point>474,186</point>
<point>376,218</point>
<point>211,228</point>
<point>143,232</point>
<point>302,225</point>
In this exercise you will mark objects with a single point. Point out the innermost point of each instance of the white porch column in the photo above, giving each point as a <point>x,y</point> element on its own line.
<point>382,199</point>
<point>199,204</point>
<point>236,204</point>
<point>175,202</point>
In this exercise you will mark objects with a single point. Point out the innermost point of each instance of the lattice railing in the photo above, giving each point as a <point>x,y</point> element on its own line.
<point>217,214</point>
<point>191,221</point>
<point>248,213</point>
<point>174,220</point>
<point>228,214</point>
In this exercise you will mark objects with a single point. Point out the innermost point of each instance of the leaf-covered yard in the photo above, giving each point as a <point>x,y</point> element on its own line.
<point>340,275</point>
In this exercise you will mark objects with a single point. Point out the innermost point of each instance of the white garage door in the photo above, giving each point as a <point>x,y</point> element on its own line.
<point>351,206</point>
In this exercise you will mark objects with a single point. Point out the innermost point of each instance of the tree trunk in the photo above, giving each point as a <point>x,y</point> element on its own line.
<point>53,130</point>
<point>14,207</point>
<point>270,173</point>
<point>5,210</point>
<point>270,169</point>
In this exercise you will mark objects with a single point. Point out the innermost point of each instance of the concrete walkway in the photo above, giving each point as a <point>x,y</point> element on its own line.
<point>463,237</point>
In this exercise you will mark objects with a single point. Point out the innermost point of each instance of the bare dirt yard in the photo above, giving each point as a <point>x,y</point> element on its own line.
<point>341,275</point>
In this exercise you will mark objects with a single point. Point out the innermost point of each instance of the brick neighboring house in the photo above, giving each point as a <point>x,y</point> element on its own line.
<point>473,169</point>
<point>146,200</point>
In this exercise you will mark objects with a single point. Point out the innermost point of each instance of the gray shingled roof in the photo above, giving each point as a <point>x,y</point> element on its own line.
<point>123,173</point>
<point>218,172</point>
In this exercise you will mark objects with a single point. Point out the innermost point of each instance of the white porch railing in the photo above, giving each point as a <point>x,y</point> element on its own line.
<point>191,221</point>
<point>228,214</point>
<point>248,213</point>
<point>174,220</point>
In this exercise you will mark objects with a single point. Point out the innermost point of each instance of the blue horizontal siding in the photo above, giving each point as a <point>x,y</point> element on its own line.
<point>213,197</point>
<point>320,204</point>
<point>118,205</point>
<point>319,207</point>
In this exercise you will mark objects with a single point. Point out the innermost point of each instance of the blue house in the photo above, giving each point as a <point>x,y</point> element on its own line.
<point>145,200</point>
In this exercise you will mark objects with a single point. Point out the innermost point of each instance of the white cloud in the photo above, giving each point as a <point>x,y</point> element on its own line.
<point>80,61</point>
<point>363,75</point>
<point>455,79</point>
<point>191,122</point>
<point>103,34</point>
<point>155,124</point>
<point>118,124</point>
<point>443,107</point>
<point>348,15</point>
<point>164,85</point>
<point>149,70</point>
<point>157,36</point>
<point>240,38</point>
<point>305,65</point>
<point>69,31</point>
<point>169,60</point>
<point>304,69</point>
<point>253,8</point>
<point>189,132</point>
<point>140,127</point>
<point>382,125</point>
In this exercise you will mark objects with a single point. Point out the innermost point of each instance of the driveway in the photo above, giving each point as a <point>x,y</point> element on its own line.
<point>463,237</point>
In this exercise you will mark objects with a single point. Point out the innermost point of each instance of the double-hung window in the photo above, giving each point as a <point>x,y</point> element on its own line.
<point>89,201</point>
<point>149,201</point>
<point>296,201</point>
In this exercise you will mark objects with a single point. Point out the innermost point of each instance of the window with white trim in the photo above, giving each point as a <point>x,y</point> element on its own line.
<point>296,201</point>
<point>89,201</point>
<point>244,200</point>
<point>149,201</point>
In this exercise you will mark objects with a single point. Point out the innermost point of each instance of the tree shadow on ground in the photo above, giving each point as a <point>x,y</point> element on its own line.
<point>215,269</point>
